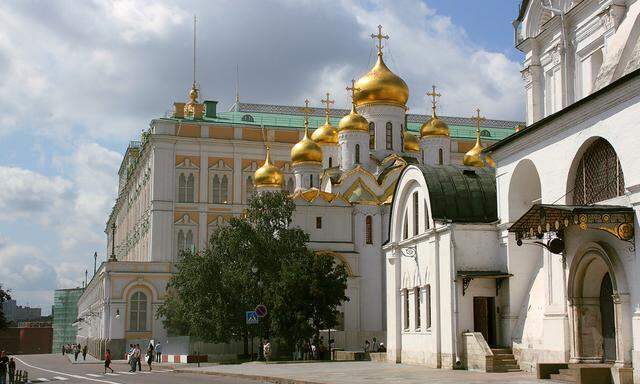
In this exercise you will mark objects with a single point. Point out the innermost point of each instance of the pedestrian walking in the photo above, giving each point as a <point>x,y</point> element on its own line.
<point>158,352</point>
<point>132,358</point>
<point>267,350</point>
<point>376,345</point>
<point>76,351</point>
<point>107,361</point>
<point>150,356</point>
<point>84,353</point>
<point>306,350</point>
<point>367,346</point>
<point>4,362</point>
<point>12,371</point>
<point>139,357</point>
<point>63,350</point>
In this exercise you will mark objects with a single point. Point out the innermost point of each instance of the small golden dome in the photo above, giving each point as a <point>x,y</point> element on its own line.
<point>434,127</point>
<point>381,86</point>
<point>411,143</point>
<point>268,175</point>
<point>353,122</point>
<point>325,134</point>
<point>306,150</point>
<point>473,157</point>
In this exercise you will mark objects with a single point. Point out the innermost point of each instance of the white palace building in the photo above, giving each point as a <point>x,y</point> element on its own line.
<point>520,255</point>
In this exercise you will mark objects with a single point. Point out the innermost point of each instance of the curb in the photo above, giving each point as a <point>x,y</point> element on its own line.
<point>269,379</point>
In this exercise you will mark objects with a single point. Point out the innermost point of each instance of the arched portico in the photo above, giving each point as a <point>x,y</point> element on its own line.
<point>599,307</point>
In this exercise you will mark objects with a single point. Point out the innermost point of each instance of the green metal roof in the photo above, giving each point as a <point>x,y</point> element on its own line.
<point>461,194</point>
<point>297,122</point>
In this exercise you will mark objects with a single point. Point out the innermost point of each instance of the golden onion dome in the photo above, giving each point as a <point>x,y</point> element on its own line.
<point>434,127</point>
<point>306,150</point>
<point>381,86</point>
<point>473,157</point>
<point>410,141</point>
<point>353,122</point>
<point>325,134</point>
<point>268,175</point>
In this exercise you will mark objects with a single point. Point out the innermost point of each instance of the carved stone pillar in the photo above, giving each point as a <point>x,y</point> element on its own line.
<point>576,331</point>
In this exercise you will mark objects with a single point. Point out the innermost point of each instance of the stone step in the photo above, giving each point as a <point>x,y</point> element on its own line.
<point>501,370</point>
<point>562,377</point>
<point>568,372</point>
<point>501,351</point>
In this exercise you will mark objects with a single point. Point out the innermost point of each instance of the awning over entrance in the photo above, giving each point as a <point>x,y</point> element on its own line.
<point>467,276</point>
<point>543,218</point>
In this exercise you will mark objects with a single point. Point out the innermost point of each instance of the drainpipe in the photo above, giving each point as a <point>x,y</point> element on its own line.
<point>568,93</point>
<point>454,298</point>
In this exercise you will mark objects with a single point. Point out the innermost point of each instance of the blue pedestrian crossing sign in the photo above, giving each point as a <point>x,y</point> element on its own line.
<point>251,317</point>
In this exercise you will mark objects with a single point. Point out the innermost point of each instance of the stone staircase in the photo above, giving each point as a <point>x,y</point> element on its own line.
<point>568,375</point>
<point>504,361</point>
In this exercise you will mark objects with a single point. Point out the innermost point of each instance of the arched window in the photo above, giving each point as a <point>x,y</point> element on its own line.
<point>310,181</point>
<point>440,156</point>
<point>389,135</point>
<point>415,213</point>
<point>599,175</point>
<point>372,135</point>
<point>290,185</point>
<point>182,188</point>
<point>485,133</point>
<point>357,153</point>
<point>190,188</point>
<point>368,234</point>
<point>248,118</point>
<point>426,216</point>
<point>138,312</point>
<point>181,242</point>
<point>330,162</point>
<point>224,190</point>
<point>405,226</point>
<point>249,187</point>
<point>215,190</point>
<point>189,240</point>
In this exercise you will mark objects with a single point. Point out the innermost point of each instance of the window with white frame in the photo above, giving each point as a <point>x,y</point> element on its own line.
<point>405,297</point>
<point>416,213</point>
<point>138,312</point>
<point>185,235</point>
<point>426,215</point>
<point>186,175</point>
<point>290,185</point>
<point>389,135</point>
<point>220,175</point>
<point>427,303</point>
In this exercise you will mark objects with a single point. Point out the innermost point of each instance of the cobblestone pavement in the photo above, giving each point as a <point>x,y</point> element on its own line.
<point>359,373</point>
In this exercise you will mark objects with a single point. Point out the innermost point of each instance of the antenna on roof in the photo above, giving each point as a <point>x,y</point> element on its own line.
<point>237,85</point>
<point>194,50</point>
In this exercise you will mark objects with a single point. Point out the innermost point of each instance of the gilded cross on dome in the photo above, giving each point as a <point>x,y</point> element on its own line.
<point>353,90</point>
<point>327,102</point>
<point>379,36</point>
<point>478,119</point>
<point>434,101</point>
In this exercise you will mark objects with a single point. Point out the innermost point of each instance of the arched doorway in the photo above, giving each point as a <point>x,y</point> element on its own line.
<point>607,319</point>
<point>592,291</point>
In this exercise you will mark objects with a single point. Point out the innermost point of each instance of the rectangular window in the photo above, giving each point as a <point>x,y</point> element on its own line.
<point>389,136</point>
<point>318,222</point>
<point>416,300</point>
<point>405,293</point>
<point>426,216</point>
<point>369,230</point>
<point>405,229</point>
<point>427,302</point>
<point>415,213</point>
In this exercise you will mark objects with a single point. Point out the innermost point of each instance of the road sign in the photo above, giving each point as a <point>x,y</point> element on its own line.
<point>251,317</point>
<point>261,310</point>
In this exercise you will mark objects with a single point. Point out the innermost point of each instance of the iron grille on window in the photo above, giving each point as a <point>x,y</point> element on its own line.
<point>599,175</point>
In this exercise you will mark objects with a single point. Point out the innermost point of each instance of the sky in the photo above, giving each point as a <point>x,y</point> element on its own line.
<point>80,79</point>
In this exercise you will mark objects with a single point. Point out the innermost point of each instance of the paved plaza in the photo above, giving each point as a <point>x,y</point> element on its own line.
<point>358,372</point>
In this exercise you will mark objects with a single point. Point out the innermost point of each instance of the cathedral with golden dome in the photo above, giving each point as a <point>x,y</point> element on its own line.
<point>195,169</point>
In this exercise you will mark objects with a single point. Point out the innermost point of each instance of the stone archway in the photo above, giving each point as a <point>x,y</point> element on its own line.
<point>597,312</point>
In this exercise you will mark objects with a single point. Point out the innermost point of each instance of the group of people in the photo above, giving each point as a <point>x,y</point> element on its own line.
<point>374,347</point>
<point>135,357</point>
<point>7,365</point>
<point>317,351</point>
<point>76,349</point>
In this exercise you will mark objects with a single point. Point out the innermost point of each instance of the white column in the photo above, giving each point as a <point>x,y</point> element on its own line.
<point>394,307</point>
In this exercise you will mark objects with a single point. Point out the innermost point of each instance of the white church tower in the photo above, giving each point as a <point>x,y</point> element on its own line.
<point>435,142</point>
<point>306,158</point>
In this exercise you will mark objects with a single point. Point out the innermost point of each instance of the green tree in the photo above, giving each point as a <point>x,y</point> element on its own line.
<point>211,290</point>
<point>4,296</point>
